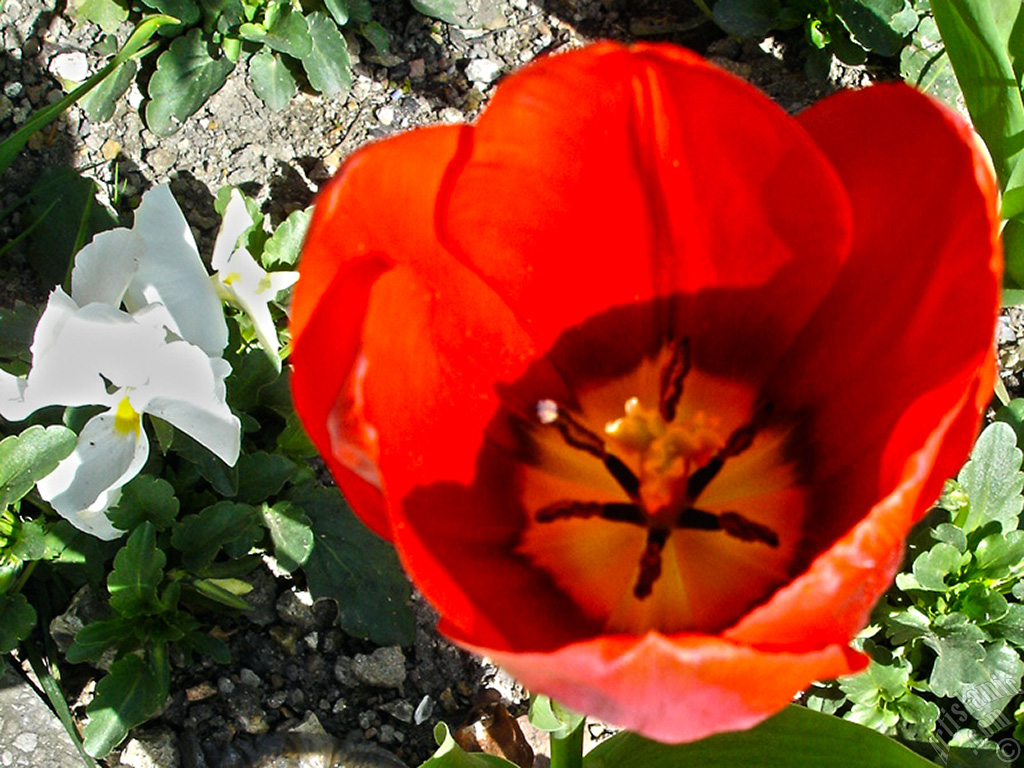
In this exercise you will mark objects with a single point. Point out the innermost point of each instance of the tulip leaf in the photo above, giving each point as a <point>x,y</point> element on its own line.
<point>450,755</point>
<point>29,457</point>
<point>797,737</point>
<point>356,568</point>
<point>992,481</point>
<point>145,498</point>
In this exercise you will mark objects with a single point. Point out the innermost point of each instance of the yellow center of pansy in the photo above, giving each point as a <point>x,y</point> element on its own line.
<point>682,510</point>
<point>127,420</point>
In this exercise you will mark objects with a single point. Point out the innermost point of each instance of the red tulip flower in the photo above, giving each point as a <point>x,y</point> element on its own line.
<point>647,380</point>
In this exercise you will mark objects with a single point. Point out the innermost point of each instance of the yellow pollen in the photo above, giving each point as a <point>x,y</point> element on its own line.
<point>126,419</point>
<point>231,277</point>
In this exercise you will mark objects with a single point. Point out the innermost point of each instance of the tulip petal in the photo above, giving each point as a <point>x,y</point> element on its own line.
<point>85,484</point>
<point>886,432</point>
<point>672,689</point>
<point>105,267</point>
<point>667,175</point>
<point>172,274</point>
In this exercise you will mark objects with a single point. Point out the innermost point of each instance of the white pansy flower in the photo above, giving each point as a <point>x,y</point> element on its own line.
<point>98,354</point>
<point>243,282</point>
<point>154,262</point>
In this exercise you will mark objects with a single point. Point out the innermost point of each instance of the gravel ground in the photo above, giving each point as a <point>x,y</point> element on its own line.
<point>299,691</point>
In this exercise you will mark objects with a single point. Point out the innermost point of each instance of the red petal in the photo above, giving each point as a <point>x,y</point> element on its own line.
<point>607,176</point>
<point>674,689</point>
<point>897,365</point>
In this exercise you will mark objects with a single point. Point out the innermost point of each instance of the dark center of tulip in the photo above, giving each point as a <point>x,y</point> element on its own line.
<point>681,476</point>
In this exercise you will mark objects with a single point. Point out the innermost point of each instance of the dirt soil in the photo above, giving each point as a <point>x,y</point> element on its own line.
<point>299,691</point>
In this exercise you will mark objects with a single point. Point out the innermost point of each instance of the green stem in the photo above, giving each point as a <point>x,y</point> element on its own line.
<point>567,751</point>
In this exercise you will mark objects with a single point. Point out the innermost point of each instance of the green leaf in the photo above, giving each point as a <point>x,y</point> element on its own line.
<point>185,77</point>
<point>271,80</point>
<point>1010,626</point>
<point>145,498</point>
<point>903,626</point>
<point>17,328</point>
<point>377,37</point>
<point>959,651</point>
<point>797,737</point>
<point>108,14</point>
<point>285,244</point>
<point>200,537</point>
<point>951,535</point>
<point>747,18</point>
<point>472,14</point>
<point>93,640</point>
<point>30,541</point>
<point>250,373</point>
<point>339,10</point>
<point>878,25</point>
<point>293,440</point>
<point>138,571</point>
<point>222,477</point>
<point>128,695</point>
<point>186,11</point>
<point>262,475</point>
<point>450,755</point>
<point>290,530</point>
<point>29,457</point>
<point>356,568</point>
<point>550,716</point>
<point>66,214</point>
<point>992,480</point>
<point>925,65</point>
<point>932,567</point>
<point>17,618</point>
<point>287,33</point>
<point>101,102</point>
<point>327,62</point>
<point>987,697</point>
<point>982,605</point>
<point>215,590</point>
<point>997,554</point>
<point>888,681</point>
<point>1013,414</point>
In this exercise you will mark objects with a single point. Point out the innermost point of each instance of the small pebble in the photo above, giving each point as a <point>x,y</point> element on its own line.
<point>199,692</point>
<point>386,115</point>
<point>249,678</point>
<point>423,710</point>
<point>71,65</point>
<point>384,668</point>
<point>483,70</point>
<point>225,686</point>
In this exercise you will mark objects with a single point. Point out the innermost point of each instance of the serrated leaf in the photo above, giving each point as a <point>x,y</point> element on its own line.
<point>138,571</point>
<point>879,25</point>
<point>925,65</point>
<point>285,244</point>
<point>287,33</point>
<point>200,537</point>
<point>450,755</point>
<point>27,458</point>
<point>906,625</point>
<point>357,569</point>
<point>951,535</point>
<point>185,77</point>
<point>128,695</point>
<point>293,440</point>
<point>931,568</point>
<point>101,101</point>
<point>222,477</point>
<point>888,681</point>
<point>959,652</point>
<point>108,14</point>
<point>797,737</point>
<point>327,62</point>
<point>744,18</point>
<point>1010,626</point>
<point>981,604</point>
<point>992,480</point>
<point>986,697</point>
<point>30,543</point>
<point>292,534</point>
<point>250,373</point>
<point>996,555</point>
<point>93,640</point>
<point>262,475</point>
<point>271,79</point>
<point>145,498</point>
<point>17,618</point>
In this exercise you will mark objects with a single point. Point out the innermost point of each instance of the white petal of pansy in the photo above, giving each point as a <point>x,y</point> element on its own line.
<point>105,267</point>
<point>236,221</point>
<point>112,448</point>
<point>171,273</point>
<point>186,388</point>
<point>248,286</point>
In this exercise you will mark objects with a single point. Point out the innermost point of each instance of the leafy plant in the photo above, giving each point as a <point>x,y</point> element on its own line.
<point>846,29</point>
<point>285,45</point>
<point>947,641</point>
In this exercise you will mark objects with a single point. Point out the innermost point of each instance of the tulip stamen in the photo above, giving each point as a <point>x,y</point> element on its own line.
<point>616,512</point>
<point>673,374</point>
<point>577,435</point>
<point>650,562</point>
<point>740,440</point>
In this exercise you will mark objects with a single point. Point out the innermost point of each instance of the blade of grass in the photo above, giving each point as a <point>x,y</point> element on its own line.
<point>134,46</point>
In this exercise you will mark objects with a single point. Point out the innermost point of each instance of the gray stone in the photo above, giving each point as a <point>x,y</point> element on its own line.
<point>30,734</point>
<point>296,607</point>
<point>152,748</point>
<point>70,65</point>
<point>384,668</point>
<point>483,70</point>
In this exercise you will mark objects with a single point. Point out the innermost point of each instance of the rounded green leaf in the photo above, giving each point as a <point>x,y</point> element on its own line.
<point>327,63</point>
<point>29,457</point>
<point>271,79</point>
